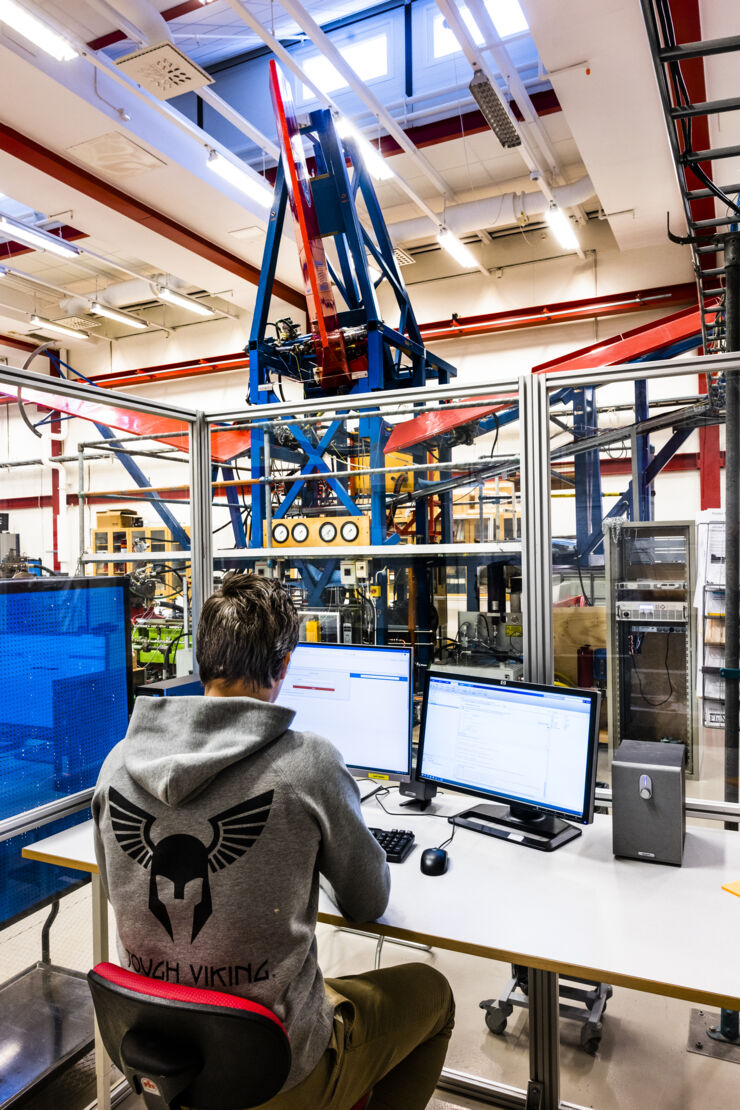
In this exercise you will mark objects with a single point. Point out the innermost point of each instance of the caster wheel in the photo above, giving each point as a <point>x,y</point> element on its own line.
<point>496,1021</point>
<point>591,1037</point>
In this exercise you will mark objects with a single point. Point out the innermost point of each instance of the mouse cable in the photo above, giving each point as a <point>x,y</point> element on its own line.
<point>449,839</point>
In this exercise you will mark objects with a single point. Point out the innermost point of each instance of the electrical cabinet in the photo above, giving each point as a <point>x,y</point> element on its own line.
<point>651,633</point>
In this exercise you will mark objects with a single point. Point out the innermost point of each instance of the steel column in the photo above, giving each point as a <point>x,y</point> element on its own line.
<point>587,469</point>
<point>201,534</point>
<point>536,530</point>
<point>732,534</point>
<point>543,1092</point>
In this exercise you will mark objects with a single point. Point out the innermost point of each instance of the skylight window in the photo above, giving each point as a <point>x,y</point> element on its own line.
<point>508,19</point>
<point>445,42</point>
<point>369,60</point>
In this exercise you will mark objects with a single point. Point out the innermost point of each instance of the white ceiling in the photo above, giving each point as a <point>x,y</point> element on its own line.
<point>611,127</point>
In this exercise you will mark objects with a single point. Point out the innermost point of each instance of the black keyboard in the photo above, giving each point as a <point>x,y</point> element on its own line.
<point>396,843</point>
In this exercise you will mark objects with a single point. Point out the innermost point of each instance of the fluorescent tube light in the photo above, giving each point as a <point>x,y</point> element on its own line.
<point>99,309</point>
<point>35,237</point>
<point>450,242</point>
<point>375,163</point>
<point>562,228</point>
<point>49,325</point>
<point>38,33</point>
<point>252,186</point>
<point>179,299</point>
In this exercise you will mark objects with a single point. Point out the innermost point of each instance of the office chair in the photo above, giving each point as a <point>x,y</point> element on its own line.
<point>187,1047</point>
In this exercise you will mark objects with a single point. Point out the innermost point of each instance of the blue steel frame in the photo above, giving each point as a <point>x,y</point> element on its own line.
<point>396,357</point>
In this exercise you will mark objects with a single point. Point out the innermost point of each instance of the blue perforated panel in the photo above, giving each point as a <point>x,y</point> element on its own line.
<point>26,883</point>
<point>65,682</point>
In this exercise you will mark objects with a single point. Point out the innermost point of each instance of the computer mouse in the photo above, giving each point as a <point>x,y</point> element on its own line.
<point>434,861</point>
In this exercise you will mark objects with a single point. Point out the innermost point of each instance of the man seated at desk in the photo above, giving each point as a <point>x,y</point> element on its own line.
<point>213,819</point>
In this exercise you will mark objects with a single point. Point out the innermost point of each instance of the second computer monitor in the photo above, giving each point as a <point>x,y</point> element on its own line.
<point>530,747</point>
<point>357,697</point>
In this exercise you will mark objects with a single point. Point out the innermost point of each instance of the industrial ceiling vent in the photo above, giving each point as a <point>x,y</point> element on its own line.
<point>163,70</point>
<point>402,257</point>
<point>494,110</point>
<point>78,323</point>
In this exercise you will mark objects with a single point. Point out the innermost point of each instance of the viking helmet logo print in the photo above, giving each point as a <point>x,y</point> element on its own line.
<point>182,858</point>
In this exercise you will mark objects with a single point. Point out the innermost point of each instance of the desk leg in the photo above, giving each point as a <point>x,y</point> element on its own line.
<point>543,1091</point>
<point>100,954</point>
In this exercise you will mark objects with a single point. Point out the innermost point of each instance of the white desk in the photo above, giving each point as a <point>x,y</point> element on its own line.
<point>577,911</point>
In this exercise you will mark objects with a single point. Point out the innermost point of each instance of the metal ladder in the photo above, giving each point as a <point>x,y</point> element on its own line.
<point>696,163</point>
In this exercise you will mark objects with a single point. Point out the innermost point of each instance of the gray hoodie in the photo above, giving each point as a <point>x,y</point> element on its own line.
<point>213,820</point>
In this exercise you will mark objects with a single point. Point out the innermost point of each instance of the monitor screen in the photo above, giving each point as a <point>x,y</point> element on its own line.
<point>65,676</point>
<point>357,697</point>
<point>520,743</point>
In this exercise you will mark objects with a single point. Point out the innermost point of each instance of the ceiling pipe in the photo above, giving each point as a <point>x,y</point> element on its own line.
<point>503,210</point>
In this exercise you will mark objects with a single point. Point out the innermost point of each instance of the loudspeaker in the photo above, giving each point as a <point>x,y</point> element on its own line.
<point>648,795</point>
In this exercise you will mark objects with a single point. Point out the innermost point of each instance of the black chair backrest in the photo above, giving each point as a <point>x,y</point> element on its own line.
<point>185,1046</point>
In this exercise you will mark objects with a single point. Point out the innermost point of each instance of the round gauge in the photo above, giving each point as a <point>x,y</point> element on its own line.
<point>300,532</point>
<point>350,531</point>
<point>280,533</point>
<point>327,532</point>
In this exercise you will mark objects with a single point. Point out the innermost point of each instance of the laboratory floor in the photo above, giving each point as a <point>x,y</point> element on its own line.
<point>642,1063</point>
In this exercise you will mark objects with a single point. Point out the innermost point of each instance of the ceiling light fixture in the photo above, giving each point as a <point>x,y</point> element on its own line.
<point>40,34</point>
<point>181,301</point>
<point>49,325</point>
<point>35,237</point>
<point>562,228</point>
<point>99,309</point>
<point>252,186</point>
<point>375,163</point>
<point>450,242</point>
<point>493,110</point>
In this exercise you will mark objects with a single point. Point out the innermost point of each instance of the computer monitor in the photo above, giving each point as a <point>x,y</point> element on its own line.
<point>360,698</point>
<point>531,747</point>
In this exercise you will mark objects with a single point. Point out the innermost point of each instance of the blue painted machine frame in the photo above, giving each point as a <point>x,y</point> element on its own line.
<point>396,357</point>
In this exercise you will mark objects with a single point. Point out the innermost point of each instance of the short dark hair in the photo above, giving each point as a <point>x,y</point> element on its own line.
<point>246,629</point>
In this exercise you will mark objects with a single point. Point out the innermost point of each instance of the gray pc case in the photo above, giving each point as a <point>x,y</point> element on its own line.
<point>648,793</point>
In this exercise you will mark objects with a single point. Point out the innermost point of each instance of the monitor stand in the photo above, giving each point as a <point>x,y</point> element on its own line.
<point>522,824</point>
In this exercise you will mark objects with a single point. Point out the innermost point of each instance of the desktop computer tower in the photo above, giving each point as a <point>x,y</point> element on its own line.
<point>648,794</point>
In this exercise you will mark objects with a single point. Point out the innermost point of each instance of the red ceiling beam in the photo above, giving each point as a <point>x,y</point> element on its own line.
<point>169,371</point>
<point>615,304</point>
<point>41,158</point>
<point>17,344</point>
<point>460,125</point>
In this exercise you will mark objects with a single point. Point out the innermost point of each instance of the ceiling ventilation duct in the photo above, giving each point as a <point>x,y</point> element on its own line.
<point>163,70</point>
<point>494,110</point>
<point>501,210</point>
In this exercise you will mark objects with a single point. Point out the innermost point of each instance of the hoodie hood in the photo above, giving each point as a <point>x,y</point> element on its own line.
<point>174,747</point>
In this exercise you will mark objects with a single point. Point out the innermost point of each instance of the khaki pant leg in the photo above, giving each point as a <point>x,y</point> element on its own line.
<point>390,1035</point>
<point>396,1039</point>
